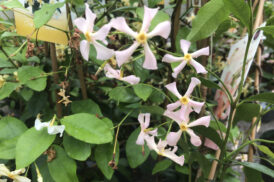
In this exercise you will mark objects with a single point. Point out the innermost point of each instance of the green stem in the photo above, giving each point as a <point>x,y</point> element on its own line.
<point>9,59</point>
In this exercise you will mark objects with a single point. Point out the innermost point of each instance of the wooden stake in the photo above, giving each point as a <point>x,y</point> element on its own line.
<point>55,78</point>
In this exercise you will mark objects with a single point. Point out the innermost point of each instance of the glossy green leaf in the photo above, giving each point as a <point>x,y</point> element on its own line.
<point>7,89</point>
<point>123,94</point>
<point>103,155</point>
<point>31,145</point>
<point>143,91</point>
<point>42,164</point>
<point>62,168</point>
<point>263,97</point>
<point>161,166</point>
<point>33,77</point>
<point>209,133</point>
<point>87,128</point>
<point>134,152</point>
<point>258,167</point>
<point>246,112</point>
<point>7,148</point>
<point>76,149</point>
<point>12,4</point>
<point>42,16</point>
<point>86,106</point>
<point>209,83</point>
<point>268,30</point>
<point>252,175</point>
<point>265,150</point>
<point>240,10</point>
<point>209,17</point>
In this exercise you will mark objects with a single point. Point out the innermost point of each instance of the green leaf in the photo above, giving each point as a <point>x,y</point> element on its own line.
<point>268,30</point>
<point>87,128</point>
<point>33,77</point>
<point>103,155</point>
<point>11,127</point>
<point>160,17</point>
<point>86,106</point>
<point>240,9</point>
<point>12,4</point>
<point>31,145</point>
<point>134,152</point>
<point>72,147</point>
<point>209,17</point>
<point>8,34</point>
<point>246,112</point>
<point>258,167</point>
<point>209,83</point>
<point>263,97</point>
<point>252,175</point>
<point>139,71</point>
<point>143,91</point>
<point>7,89</point>
<point>161,166</point>
<point>265,150</point>
<point>182,169</point>
<point>42,164</point>
<point>62,168</point>
<point>123,94</point>
<point>7,148</point>
<point>42,16</point>
<point>209,133</point>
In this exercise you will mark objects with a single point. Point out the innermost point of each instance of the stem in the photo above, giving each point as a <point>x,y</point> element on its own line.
<point>175,24</point>
<point>9,59</point>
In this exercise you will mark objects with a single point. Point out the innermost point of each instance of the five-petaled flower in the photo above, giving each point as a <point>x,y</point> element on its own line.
<point>184,101</point>
<point>144,119</point>
<point>118,74</point>
<point>52,129</point>
<point>160,149</point>
<point>14,175</point>
<point>185,125</point>
<point>162,29</point>
<point>86,26</point>
<point>187,58</point>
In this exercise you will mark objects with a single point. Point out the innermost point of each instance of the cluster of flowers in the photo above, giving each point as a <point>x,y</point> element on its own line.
<point>178,111</point>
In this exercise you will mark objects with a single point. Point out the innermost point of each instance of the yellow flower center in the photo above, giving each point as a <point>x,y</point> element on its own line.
<point>53,120</point>
<point>11,176</point>
<point>88,36</point>
<point>183,127</point>
<point>141,38</point>
<point>184,100</point>
<point>187,57</point>
<point>121,74</point>
<point>161,152</point>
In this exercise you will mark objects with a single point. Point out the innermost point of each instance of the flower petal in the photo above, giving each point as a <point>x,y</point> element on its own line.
<point>141,119</point>
<point>185,46</point>
<point>132,79</point>
<point>110,72</point>
<point>90,18</point>
<point>147,119</point>
<point>194,82</point>
<point>171,59</point>
<point>162,29</point>
<point>151,143</point>
<point>4,171</point>
<point>121,25</point>
<point>21,179</point>
<point>39,125</point>
<point>194,139</point>
<point>153,132</point>
<point>84,49</point>
<point>173,106</point>
<point>173,137</point>
<point>210,144</point>
<point>200,52</point>
<point>81,24</point>
<point>102,33</point>
<point>55,129</point>
<point>178,69</point>
<point>173,89</point>
<point>103,53</point>
<point>124,55</point>
<point>197,106</point>
<point>171,155</point>
<point>198,67</point>
<point>150,62</point>
<point>174,116</point>
<point>149,14</point>
<point>201,121</point>
<point>141,138</point>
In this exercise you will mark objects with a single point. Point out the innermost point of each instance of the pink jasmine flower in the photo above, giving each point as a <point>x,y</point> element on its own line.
<point>162,29</point>
<point>118,74</point>
<point>14,175</point>
<point>184,101</point>
<point>86,26</point>
<point>173,137</point>
<point>144,119</point>
<point>160,149</point>
<point>210,144</point>
<point>187,59</point>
